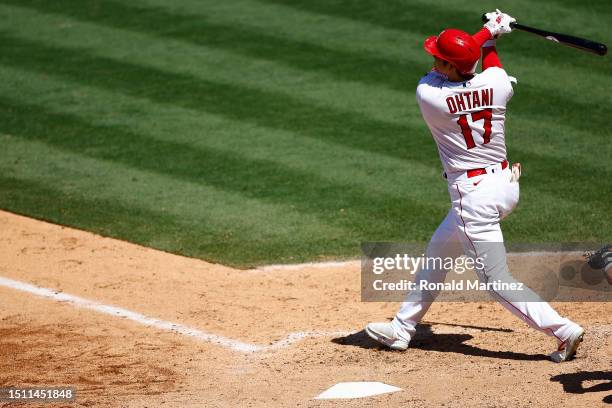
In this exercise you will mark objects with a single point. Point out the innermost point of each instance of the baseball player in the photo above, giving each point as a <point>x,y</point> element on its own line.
<point>465,112</point>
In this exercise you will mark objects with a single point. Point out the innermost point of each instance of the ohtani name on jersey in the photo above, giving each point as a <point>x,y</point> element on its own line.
<point>470,100</point>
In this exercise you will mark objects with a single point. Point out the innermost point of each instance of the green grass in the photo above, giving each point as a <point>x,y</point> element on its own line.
<point>250,132</point>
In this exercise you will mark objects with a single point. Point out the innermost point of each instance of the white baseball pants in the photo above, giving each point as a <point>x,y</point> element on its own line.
<point>472,227</point>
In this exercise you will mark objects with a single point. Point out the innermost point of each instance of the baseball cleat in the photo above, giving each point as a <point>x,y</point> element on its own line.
<point>384,334</point>
<point>567,349</point>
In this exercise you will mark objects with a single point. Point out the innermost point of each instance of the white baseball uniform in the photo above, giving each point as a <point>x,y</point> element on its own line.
<point>466,120</point>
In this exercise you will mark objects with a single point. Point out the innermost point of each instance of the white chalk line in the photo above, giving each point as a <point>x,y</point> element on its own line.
<point>355,263</point>
<point>197,334</point>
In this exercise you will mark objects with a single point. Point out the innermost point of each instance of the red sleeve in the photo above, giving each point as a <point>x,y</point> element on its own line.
<point>489,54</point>
<point>483,35</point>
<point>490,58</point>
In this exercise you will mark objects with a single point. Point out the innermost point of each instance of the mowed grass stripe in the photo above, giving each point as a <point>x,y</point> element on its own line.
<point>554,15</point>
<point>329,91</point>
<point>542,180</point>
<point>536,130</point>
<point>196,220</point>
<point>254,18</point>
<point>429,18</point>
<point>402,49</point>
<point>314,55</point>
<point>155,229</point>
<point>400,75</point>
<point>237,102</point>
<point>405,184</point>
<point>145,73</point>
<point>595,7</point>
<point>46,183</point>
<point>257,179</point>
<point>285,21</point>
<point>376,173</point>
<point>122,40</point>
<point>362,39</point>
<point>212,211</point>
<point>403,179</point>
<point>167,213</point>
<point>338,164</point>
<point>578,214</point>
<point>264,109</point>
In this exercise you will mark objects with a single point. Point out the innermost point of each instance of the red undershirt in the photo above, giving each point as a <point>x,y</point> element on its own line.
<point>489,54</point>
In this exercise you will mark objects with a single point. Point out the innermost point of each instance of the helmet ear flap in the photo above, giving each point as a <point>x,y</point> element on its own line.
<point>473,69</point>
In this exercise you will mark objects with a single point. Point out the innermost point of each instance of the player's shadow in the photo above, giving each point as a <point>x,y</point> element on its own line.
<point>425,339</point>
<point>469,326</point>
<point>573,382</point>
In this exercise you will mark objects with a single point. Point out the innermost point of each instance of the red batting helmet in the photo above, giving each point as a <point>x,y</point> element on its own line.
<point>456,47</point>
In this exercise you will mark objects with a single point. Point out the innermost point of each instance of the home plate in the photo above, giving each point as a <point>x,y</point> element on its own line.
<point>356,390</point>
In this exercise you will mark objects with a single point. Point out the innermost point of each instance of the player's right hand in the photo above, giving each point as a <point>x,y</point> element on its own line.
<point>499,23</point>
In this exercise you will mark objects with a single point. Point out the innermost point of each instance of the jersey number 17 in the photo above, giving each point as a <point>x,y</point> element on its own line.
<point>485,115</point>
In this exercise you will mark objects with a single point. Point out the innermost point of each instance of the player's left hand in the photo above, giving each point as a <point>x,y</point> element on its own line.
<point>516,170</point>
<point>499,23</point>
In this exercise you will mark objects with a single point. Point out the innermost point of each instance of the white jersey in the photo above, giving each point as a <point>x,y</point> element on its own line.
<point>467,118</point>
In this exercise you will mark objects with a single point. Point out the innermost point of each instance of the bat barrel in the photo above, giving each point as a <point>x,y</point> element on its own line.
<point>580,43</point>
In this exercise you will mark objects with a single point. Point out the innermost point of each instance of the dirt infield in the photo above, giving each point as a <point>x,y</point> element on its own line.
<point>304,325</point>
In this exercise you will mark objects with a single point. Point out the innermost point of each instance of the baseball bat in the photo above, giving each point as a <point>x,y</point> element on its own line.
<point>569,40</point>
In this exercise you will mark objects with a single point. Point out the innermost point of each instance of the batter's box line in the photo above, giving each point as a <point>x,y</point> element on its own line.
<point>165,325</point>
